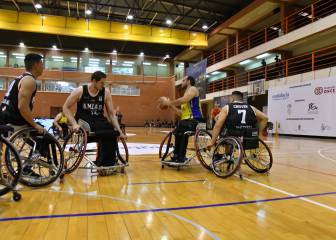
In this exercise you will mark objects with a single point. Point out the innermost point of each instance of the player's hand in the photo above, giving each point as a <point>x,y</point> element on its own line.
<point>122,136</point>
<point>75,127</point>
<point>40,129</point>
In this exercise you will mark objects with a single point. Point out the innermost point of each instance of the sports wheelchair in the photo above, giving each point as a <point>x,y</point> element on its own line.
<point>201,138</point>
<point>234,146</point>
<point>75,149</point>
<point>10,165</point>
<point>41,156</point>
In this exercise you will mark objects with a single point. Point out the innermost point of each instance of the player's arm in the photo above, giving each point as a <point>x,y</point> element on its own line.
<point>262,119</point>
<point>176,110</point>
<point>110,113</point>
<point>27,87</point>
<point>56,119</point>
<point>219,124</point>
<point>189,94</point>
<point>73,98</point>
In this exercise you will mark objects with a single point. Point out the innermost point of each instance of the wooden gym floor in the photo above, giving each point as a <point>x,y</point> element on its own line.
<point>297,200</point>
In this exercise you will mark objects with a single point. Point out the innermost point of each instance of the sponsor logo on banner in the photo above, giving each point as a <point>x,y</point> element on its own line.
<point>289,109</point>
<point>325,90</point>
<point>281,96</point>
<point>312,108</point>
<point>325,127</point>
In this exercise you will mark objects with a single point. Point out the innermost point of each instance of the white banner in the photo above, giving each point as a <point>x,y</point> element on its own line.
<point>307,108</point>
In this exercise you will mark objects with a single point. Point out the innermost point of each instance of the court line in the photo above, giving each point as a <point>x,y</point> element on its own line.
<point>289,197</point>
<point>196,225</point>
<point>325,157</point>
<point>301,197</point>
<point>167,182</point>
<point>306,169</point>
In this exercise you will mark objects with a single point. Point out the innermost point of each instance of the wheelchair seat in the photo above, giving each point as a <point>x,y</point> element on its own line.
<point>250,136</point>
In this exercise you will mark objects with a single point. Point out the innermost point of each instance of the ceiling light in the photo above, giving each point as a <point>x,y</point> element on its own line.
<point>207,76</point>
<point>275,28</point>
<point>167,56</point>
<point>2,53</point>
<point>127,65</point>
<point>38,6</point>
<point>59,57</point>
<point>58,60</point>
<point>114,61</point>
<point>88,12</point>
<point>20,57</point>
<point>205,27</point>
<point>162,65</point>
<point>86,49</point>
<point>214,73</point>
<point>128,62</point>
<point>3,56</point>
<point>245,62</point>
<point>130,17</point>
<point>54,47</point>
<point>262,56</point>
<point>169,22</point>
<point>147,63</point>
<point>303,14</point>
<point>114,51</point>
<point>21,44</point>
<point>141,54</point>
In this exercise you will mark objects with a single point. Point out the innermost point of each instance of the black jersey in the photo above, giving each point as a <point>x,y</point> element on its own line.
<point>240,116</point>
<point>91,108</point>
<point>10,103</point>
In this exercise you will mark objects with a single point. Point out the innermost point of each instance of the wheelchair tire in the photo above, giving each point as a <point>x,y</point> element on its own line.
<point>226,164</point>
<point>122,157</point>
<point>11,168</point>
<point>252,158</point>
<point>74,148</point>
<point>165,146</point>
<point>44,160</point>
<point>202,154</point>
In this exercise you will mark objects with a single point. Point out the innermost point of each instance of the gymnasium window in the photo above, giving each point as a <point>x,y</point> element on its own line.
<point>16,57</point>
<point>61,62</point>
<point>125,66</point>
<point>3,58</point>
<point>2,84</point>
<point>179,70</point>
<point>163,69</point>
<point>125,90</point>
<point>91,64</point>
<point>59,86</point>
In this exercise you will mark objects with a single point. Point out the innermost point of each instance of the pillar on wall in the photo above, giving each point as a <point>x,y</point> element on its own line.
<point>7,58</point>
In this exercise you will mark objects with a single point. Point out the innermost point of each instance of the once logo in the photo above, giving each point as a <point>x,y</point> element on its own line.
<point>318,90</point>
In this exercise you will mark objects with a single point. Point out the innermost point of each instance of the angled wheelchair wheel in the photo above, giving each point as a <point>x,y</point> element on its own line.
<point>260,159</point>
<point>202,138</point>
<point>74,148</point>
<point>166,150</point>
<point>227,157</point>
<point>10,167</point>
<point>122,152</point>
<point>41,156</point>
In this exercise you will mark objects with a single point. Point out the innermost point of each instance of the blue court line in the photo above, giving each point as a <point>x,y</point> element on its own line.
<point>162,209</point>
<point>168,182</point>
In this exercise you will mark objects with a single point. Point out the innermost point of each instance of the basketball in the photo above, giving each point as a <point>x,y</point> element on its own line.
<point>162,103</point>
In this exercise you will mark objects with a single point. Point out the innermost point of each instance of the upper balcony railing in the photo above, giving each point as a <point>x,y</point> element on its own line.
<point>292,22</point>
<point>300,64</point>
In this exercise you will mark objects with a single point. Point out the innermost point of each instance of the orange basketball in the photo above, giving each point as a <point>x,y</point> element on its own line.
<point>162,104</point>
